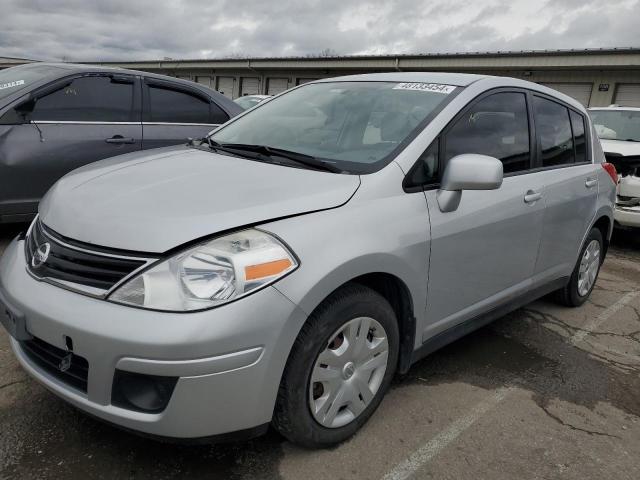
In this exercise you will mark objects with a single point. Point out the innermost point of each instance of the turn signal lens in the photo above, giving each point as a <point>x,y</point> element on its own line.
<point>611,170</point>
<point>264,270</point>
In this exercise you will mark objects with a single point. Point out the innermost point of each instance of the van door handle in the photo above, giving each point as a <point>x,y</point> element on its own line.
<point>591,182</point>
<point>119,139</point>
<point>532,196</point>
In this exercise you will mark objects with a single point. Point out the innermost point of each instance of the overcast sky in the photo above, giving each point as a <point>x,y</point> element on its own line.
<point>91,30</point>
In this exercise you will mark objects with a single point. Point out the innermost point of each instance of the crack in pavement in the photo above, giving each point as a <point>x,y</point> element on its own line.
<point>573,427</point>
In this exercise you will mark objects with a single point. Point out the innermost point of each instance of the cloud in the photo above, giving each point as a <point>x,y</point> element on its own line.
<point>146,29</point>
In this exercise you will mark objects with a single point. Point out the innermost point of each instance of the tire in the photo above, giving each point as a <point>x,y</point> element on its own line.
<point>570,295</point>
<point>293,416</point>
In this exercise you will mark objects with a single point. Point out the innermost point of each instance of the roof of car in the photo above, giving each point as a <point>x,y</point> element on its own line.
<point>456,79</point>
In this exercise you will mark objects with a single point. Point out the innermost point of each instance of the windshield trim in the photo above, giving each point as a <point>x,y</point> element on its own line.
<point>357,168</point>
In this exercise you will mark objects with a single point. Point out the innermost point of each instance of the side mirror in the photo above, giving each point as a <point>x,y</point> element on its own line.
<point>468,172</point>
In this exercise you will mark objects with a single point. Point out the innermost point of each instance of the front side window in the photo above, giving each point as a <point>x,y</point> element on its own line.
<point>497,126</point>
<point>173,106</point>
<point>617,124</point>
<point>90,99</point>
<point>354,125</point>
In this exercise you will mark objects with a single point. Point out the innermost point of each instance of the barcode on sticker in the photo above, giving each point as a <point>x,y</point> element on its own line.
<point>17,83</point>
<point>426,87</point>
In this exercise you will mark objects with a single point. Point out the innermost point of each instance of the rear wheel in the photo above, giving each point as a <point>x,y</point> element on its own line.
<point>585,273</point>
<point>339,368</point>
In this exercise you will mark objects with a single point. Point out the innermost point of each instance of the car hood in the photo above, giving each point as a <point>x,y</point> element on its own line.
<point>621,147</point>
<point>156,200</point>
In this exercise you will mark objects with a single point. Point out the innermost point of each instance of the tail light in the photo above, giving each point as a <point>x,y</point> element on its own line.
<point>611,170</point>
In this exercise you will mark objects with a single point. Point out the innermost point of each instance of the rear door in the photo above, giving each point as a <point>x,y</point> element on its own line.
<point>571,185</point>
<point>484,252</point>
<point>72,122</point>
<point>172,113</point>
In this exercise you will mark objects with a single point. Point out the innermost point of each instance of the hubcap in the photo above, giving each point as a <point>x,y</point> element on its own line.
<point>348,373</point>
<point>589,265</point>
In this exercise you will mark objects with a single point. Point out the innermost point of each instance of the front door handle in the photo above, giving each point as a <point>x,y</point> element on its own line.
<point>532,196</point>
<point>119,139</point>
<point>591,182</point>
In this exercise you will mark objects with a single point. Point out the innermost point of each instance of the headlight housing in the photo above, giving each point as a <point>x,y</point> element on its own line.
<point>209,274</point>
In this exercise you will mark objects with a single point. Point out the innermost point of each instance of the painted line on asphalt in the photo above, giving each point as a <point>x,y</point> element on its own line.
<point>433,447</point>
<point>603,317</point>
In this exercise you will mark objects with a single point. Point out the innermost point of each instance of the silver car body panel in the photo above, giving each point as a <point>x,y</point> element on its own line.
<point>455,266</point>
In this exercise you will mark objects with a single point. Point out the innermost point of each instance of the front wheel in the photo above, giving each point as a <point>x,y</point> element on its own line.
<point>339,368</point>
<point>585,273</point>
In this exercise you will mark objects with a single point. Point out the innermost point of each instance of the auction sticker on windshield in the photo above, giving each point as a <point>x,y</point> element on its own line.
<point>17,83</point>
<point>426,87</point>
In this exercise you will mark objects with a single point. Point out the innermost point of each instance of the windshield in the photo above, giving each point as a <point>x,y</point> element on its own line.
<point>353,125</point>
<point>17,78</point>
<point>617,124</point>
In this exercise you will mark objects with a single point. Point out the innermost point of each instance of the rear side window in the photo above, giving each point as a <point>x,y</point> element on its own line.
<point>554,128</point>
<point>579,139</point>
<point>498,126</point>
<point>87,99</point>
<point>173,106</point>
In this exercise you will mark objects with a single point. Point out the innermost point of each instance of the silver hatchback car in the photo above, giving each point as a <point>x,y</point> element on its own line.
<point>285,268</point>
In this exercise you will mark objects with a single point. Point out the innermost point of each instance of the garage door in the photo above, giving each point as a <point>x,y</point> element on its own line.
<point>305,80</point>
<point>580,91</point>
<point>204,80</point>
<point>277,85</point>
<point>628,95</point>
<point>225,86</point>
<point>249,86</point>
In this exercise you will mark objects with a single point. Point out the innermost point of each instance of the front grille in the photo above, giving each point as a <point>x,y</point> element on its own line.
<point>76,263</point>
<point>51,359</point>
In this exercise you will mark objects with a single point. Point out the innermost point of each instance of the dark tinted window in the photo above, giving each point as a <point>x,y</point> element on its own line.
<point>94,99</point>
<point>217,114</point>
<point>497,126</point>
<point>554,129</point>
<point>426,169</point>
<point>577,124</point>
<point>173,106</point>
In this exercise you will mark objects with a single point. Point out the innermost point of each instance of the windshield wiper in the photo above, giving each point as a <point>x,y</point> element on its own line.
<point>264,150</point>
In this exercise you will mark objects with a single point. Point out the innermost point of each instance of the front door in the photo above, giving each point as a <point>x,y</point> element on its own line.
<point>484,252</point>
<point>90,118</point>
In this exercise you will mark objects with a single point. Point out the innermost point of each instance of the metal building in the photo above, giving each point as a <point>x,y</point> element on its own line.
<point>596,77</point>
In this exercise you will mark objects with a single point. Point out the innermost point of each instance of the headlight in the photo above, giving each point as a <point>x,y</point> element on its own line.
<point>209,274</point>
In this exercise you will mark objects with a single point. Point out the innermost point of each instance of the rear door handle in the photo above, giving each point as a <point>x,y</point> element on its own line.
<point>119,139</point>
<point>591,182</point>
<point>532,196</point>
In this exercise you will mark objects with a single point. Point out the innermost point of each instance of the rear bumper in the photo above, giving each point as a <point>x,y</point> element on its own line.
<point>627,216</point>
<point>228,360</point>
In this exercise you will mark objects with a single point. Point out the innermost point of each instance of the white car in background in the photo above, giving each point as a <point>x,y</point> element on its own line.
<point>619,132</point>
<point>250,101</point>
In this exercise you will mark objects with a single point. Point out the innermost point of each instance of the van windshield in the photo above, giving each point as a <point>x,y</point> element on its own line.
<point>21,77</point>
<point>354,125</point>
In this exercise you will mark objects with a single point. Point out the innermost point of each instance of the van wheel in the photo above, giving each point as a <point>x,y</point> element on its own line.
<point>339,368</point>
<point>585,273</point>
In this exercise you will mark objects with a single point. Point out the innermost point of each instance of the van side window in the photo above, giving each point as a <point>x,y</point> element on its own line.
<point>498,126</point>
<point>554,128</point>
<point>87,99</point>
<point>579,139</point>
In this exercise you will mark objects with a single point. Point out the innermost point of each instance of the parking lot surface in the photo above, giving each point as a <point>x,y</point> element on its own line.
<point>545,392</point>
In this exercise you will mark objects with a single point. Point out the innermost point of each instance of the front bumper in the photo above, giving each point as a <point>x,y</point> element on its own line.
<point>627,216</point>
<point>229,360</point>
